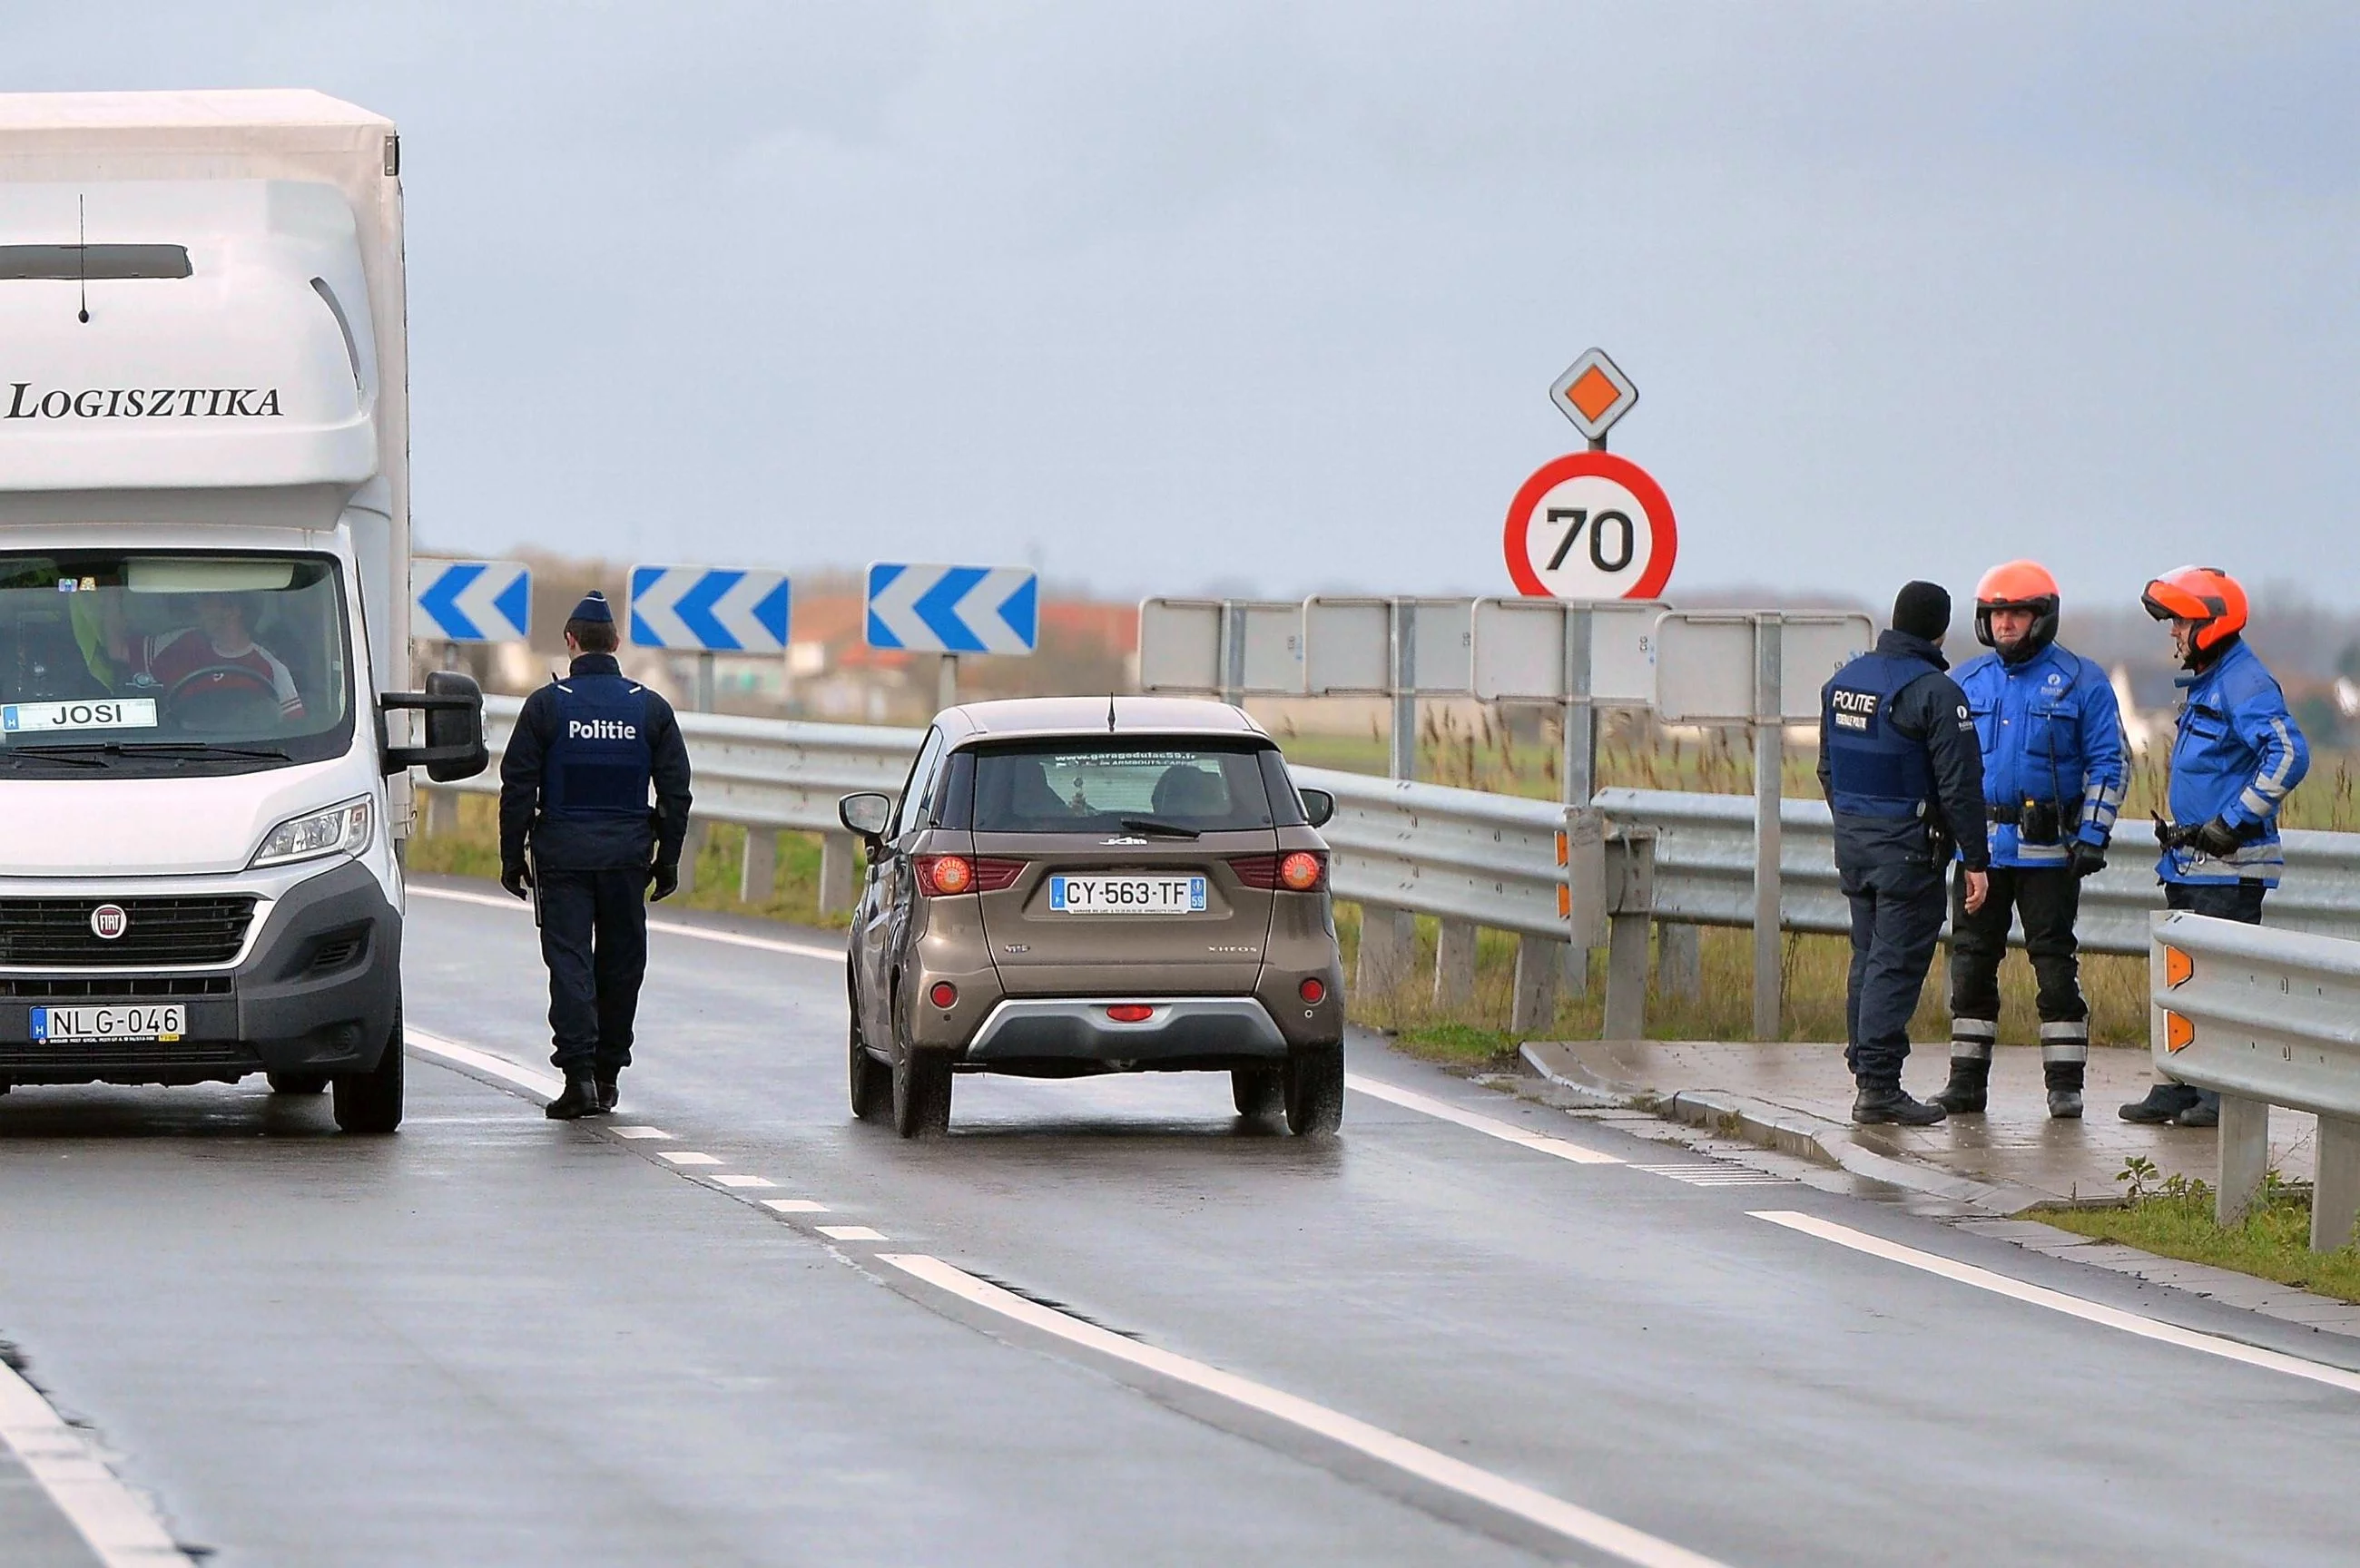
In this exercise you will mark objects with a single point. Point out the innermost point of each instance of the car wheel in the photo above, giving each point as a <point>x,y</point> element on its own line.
<point>298,1083</point>
<point>1315,1091</point>
<point>872,1081</point>
<point>922,1092</point>
<point>371,1102</point>
<point>1259,1092</point>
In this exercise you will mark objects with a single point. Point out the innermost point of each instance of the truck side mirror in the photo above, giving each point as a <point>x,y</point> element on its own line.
<point>455,749</point>
<point>1318,807</point>
<point>866,813</point>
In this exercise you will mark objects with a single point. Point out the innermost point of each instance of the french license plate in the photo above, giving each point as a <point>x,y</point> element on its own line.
<point>167,1020</point>
<point>1127,895</point>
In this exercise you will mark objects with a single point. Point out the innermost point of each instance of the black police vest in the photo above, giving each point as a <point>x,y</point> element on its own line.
<point>1874,770</point>
<point>598,767</point>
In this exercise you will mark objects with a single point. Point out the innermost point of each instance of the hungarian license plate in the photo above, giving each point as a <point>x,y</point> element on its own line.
<point>1127,895</point>
<point>167,1020</point>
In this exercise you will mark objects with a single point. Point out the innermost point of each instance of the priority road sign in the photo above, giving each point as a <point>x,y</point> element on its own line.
<point>1593,393</point>
<point>1590,526</point>
<point>470,601</point>
<point>709,609</point>
<point>954,609</point>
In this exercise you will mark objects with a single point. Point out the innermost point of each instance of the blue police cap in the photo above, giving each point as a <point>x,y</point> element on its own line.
<point>593,608</point>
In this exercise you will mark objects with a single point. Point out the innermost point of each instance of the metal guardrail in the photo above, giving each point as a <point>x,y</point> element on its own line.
<point>2265,1017</point>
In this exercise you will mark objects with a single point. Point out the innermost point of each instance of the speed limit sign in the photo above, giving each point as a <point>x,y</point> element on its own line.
<point>1591,526</point>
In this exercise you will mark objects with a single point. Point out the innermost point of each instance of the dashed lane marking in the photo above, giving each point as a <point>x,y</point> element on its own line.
<point>2060,1302</point>
<point>1575,1523</point>
<point>1714,1175</point>
<point>1507,1132</point>
<point>793,1206</point>
<point>849,1232</point>
<point>121,1528</point>
<point>732,1180</point>
<point>687,1157</point>
<point>638,1132</point>
<point>669,927</point>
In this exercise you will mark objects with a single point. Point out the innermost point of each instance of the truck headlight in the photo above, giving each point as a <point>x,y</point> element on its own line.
<point>339,830</point>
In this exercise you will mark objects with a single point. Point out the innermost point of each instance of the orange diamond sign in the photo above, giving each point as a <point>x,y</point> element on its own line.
<point>1593,393</point>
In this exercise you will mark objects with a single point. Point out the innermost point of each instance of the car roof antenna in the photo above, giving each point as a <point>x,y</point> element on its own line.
<point>1109,712</point>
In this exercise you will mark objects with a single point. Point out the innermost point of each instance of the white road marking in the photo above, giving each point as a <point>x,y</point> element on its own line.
<point>638,1132</point>
<point>1575,1523</point>
<point>687,1157</point>
<point>117,1522</point>
<point>741,1182</point>
<point>1714,1175</point>
<point>2059,1301</point>
<point>1507,1132</point>
<point>670,928</point>
<point>794,1206</point>
<point>542,1083</point>
<point>850,1233</point>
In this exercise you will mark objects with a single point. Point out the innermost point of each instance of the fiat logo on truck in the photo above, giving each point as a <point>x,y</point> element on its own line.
<point>108,921</point>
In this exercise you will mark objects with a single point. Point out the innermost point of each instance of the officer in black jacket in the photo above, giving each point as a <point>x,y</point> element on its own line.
<point>574,785</point>
<point>1903,773</point>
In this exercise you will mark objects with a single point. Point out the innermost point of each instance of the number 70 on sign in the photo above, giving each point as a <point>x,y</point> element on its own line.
<point>1590,524</point>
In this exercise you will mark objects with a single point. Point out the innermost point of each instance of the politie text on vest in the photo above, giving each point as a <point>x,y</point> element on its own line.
<point>600,729</point>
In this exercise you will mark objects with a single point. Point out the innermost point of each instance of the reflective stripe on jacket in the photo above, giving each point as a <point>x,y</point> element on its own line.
<point>2237,754</point>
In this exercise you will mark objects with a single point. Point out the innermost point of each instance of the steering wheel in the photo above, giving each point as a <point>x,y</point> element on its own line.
<point>251,684</point>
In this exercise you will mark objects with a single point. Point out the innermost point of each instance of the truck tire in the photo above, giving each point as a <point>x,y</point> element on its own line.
<point>872,1081</point>
<point>298,1083</point>
<point>922,1092</point>
<point>1315,1091</point>
<point>371,1102</point>
<point>1260,1093</point>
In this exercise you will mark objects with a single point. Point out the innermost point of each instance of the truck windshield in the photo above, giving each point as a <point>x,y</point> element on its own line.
<point>196,662</point>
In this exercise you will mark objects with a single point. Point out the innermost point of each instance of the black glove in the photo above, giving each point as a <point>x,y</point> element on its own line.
<point>514,878</point>
<point>2086,858</point>
<point>666,878</point>
<point>2217,838</point>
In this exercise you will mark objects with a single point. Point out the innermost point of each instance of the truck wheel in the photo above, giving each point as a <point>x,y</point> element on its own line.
<point>298,1083</point>
<point>1315,1091</point>
<point>872,1081</point>
<point>371,1102</point>
<point>1260,1092</point>
<point>922,1092</point>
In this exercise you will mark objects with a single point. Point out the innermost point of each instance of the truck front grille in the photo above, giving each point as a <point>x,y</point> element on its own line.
<point>207,929</point>
<point>75,988</point>
<point>128,1055</point>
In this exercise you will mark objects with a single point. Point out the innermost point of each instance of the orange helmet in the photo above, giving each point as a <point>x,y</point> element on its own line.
<point>2018,585</point>
<point>2204,594</point>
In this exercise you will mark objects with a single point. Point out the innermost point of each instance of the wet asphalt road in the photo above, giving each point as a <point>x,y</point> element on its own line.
<point>497,1339</point>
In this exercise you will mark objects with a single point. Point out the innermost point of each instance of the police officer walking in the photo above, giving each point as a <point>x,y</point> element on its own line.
<point>575,786</point>
<point>2052,738</point>
<point>1901,771</point>
<point>2235,756</point>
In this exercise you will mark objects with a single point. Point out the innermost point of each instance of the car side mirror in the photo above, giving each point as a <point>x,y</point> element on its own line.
<point>1318,807</point>
<point>455,749</point>
<point>867,814</point>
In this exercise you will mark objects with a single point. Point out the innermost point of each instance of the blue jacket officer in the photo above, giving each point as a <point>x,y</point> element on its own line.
<point>575,786</point>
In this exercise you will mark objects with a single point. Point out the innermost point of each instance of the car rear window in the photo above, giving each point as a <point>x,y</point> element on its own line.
<point>1065,785</point>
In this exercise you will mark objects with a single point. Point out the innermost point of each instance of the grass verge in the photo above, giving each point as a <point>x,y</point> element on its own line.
<point>2173,1218</point>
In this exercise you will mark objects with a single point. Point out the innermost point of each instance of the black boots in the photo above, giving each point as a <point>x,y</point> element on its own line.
<point>580,1099</point>
<point>2064,1080</point>
<point>2166,1103</point>
<point>1968,1088</point>
<point>610,1094</point>
<point>1890,1102</point>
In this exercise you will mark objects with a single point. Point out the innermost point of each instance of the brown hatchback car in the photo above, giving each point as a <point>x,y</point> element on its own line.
<point>1074,886</point>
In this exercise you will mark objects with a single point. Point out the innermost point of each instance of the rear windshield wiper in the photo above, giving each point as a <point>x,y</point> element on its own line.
<point>1162,829</point>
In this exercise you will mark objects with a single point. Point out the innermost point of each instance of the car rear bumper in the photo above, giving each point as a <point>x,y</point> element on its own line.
<point>1180,1031</point>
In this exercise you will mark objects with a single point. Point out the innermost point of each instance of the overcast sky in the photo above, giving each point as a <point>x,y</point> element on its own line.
<point>1267,298</point>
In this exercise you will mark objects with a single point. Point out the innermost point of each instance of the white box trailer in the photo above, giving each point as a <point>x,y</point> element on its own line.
<point>205,564</point>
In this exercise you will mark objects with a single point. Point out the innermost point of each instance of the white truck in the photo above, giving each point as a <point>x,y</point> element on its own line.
<point>204,567</point>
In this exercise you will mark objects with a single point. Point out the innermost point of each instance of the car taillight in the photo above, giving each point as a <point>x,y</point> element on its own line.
<point>946,873</point>
<point>993,875</point>
<point>1256,870</point>
<point>943,995</point>
<point>1312,990</point>
<point>1303,872</point>
<point>1130,1013</point>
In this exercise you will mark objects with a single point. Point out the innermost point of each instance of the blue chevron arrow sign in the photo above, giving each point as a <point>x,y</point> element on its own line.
<point>954,609</point>
<point>470,601</point>
<point>709,609</point>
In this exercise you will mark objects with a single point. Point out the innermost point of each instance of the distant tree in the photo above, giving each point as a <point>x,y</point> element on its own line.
<point>2347,663</point>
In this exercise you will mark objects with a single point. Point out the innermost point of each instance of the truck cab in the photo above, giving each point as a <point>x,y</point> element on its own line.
<point>203,597</point>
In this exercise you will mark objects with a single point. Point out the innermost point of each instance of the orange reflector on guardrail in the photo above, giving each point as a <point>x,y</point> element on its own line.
<point>1564,854</point>
<point>1564,902</point>
<point>2177,1032</point>
<point>2176,966</point>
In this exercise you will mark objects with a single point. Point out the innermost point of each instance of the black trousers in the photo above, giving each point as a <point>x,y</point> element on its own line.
<point>2235,901</point>
<point>594,937</point>
<point>1896,916</point>
<point>2049,900</point>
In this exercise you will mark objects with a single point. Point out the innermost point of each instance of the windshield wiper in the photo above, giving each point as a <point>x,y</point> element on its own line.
<point>197,749</point>
<point>1161,829</point>
<point>79,755</point>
